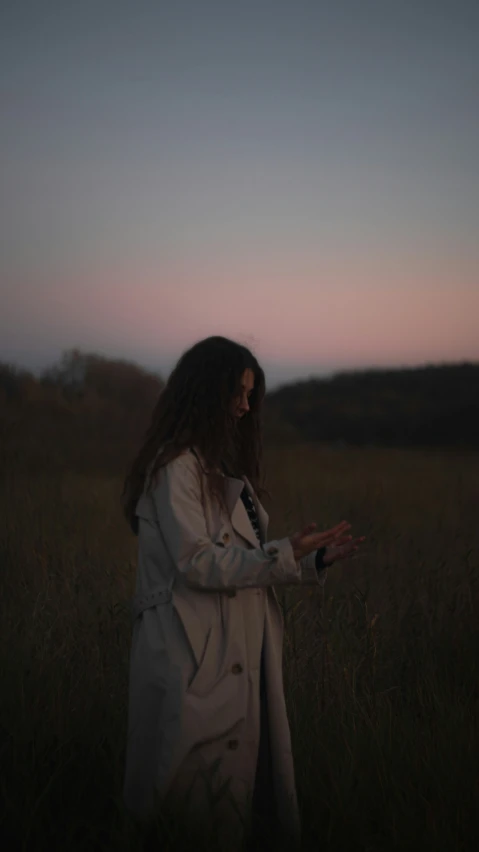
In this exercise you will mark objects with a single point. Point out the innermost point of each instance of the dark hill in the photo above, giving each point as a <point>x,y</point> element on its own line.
<point>425,406</point>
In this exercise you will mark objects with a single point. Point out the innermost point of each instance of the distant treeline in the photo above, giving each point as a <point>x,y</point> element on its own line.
<point>87,413</point>
<point>433,406</point>
<point>87,409</point>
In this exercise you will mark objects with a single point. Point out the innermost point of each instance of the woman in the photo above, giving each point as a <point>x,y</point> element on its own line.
<point>207,715</point>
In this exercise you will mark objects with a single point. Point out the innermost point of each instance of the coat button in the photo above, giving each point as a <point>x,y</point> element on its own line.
<point>233,744</point>
<point>226,537</point>
<point>237,668</point>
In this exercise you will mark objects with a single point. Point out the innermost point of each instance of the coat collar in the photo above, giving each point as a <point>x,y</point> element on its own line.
<point>239,516</point>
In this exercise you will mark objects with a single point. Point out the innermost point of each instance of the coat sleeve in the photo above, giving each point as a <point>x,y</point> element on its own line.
<point>203,563</point>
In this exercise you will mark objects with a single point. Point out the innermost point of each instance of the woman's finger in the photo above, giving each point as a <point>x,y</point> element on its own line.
<point>323,539</point>
<point>338,529</point>
<point>326,537</point>
<point>347,552</point>
<point>358,540</point>
<point>343,540</point>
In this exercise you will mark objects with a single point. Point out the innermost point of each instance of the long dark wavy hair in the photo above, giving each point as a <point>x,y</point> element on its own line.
<point>194,411</point>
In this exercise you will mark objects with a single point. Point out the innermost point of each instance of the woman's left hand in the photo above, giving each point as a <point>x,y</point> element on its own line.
<point>345,548</point>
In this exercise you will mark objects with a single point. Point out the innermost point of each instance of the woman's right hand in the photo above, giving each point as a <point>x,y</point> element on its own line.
<point>306,541</point>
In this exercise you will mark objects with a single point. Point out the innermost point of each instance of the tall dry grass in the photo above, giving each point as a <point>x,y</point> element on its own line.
<point>381,670</point>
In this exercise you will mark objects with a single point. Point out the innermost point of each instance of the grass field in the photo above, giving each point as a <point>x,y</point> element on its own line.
<point>381,670</point>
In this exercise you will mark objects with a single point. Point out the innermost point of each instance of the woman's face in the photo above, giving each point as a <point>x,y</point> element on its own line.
<point>240,404</point>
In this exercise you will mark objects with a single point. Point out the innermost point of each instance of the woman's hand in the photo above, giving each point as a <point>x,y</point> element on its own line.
<point>343,548</point>
<point>306,540</point>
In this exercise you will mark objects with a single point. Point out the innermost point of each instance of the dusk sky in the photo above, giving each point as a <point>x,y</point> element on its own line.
<point>302,176</point>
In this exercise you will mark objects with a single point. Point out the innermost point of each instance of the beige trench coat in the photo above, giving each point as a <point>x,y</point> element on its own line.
<point>205,599</point>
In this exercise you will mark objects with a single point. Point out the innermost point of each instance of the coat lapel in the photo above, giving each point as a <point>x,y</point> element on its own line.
<point>237,511</point>
<point>239,516</point>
